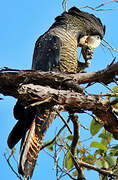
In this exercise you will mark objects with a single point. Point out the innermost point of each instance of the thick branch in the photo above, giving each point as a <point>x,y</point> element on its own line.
<point>11,79</point>
<point>73,101</point>
<point>10,83</point>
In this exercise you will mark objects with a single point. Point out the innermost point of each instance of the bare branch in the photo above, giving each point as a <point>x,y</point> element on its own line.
<point>10,81</point>
<point>95,9</point>
<point>99,6</point>
<point>61,169</point>
<point>54,139</point>
<point>66,124</point>
<point>7,159</point>
<point>73,148</point>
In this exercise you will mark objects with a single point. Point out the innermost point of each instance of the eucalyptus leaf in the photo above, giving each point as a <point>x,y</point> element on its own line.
<point>98,145</point>
<point>111,161</point>
<point>95,127</point>
<point>68,161</point>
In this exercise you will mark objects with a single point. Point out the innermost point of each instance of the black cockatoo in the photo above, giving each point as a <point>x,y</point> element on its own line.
<point>55,50</point>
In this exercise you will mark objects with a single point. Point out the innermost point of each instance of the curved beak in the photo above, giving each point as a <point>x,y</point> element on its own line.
<point>88,43</point>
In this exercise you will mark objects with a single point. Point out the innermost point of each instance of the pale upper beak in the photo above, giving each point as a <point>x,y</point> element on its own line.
<point>90,41</point>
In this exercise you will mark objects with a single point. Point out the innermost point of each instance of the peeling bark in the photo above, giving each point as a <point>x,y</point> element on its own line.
<point>36,88</point>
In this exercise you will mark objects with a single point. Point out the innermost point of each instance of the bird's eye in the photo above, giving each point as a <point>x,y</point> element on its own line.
<point>98,37</point>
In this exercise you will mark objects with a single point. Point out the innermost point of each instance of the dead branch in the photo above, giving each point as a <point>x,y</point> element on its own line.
<point>73,101</point>
<point>56,88</point>
<point>8,161</point>
<point>59,89</point>
<point>10,80</point>
<point>99,6</point>
<point>54,139</point>
<point>66,123</point>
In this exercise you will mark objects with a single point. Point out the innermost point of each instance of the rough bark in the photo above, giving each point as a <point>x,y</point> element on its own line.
<point>61,89</point>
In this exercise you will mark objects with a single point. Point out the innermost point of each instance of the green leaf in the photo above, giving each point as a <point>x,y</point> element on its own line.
<point>115,105</point>
<point>95,127</point>
<point>105,134</point>
<point>68,161</point>
<point>105,137</point>
<point>13,149</point>
<point>102,177</point>
<point>75,173</point>
<point>90,159</point>
<point>102,164</point>
<point>114,151</point>
<point>111,161</point>
<point>70,137</point>
<point>106,164</point>
<point>99,163</point>
<point>98,145</point>
<point>50,147</point>
<point>115,89</point>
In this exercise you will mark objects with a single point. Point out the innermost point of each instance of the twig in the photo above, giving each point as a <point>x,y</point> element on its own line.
<point>84,140</point>
<point>64,121</point>
<point>56,157</point>
<point>95,9</point>
<point>78,163</point>
<point>110,50</point>
<point>8,69</point>
<point>99,6</point>
<point>114,101</point>
<point>7,159</point>
<point>64,5</point>
<point>63,170</point>
<point>54,139</point>
<point>114,49</point>
<point>106,3</point>
<point>84,127</point>
<point>115,81</point>
<point>106,94</point>
<point>115,111</point>
<point>108,88</point>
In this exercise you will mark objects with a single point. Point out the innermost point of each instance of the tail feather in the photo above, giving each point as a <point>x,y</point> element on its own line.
<point>33,142</point>
<point>25,118</point>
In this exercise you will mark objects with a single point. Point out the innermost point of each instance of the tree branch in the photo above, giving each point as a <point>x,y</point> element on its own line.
<point>101,171</point>
<point>11,79</point>
<point>7,159</point>
<point>73,147</point>
<point>54,139</point>
<point>73,100</point>
<point>36,88</point>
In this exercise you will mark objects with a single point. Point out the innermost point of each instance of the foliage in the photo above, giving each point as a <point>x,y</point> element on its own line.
<point>100,153</point>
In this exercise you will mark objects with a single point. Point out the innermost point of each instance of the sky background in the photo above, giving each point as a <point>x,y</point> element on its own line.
<point>21,23</point>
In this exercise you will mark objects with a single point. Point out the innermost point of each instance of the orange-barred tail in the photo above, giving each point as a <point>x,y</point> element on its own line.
<point>33,142</point>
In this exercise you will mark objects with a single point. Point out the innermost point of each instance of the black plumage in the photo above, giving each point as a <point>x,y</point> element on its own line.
<point>55,50</point>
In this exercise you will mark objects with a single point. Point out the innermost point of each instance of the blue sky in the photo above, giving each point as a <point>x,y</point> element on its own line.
<point>21,23</point>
